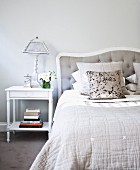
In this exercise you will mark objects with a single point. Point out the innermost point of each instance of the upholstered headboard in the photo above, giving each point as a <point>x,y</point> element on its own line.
<point>66,63</point>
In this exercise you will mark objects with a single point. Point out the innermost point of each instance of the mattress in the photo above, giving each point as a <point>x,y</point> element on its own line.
<point>90,135</point>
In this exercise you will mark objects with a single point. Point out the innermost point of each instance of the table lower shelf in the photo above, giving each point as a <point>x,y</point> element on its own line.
<point>15,127</point>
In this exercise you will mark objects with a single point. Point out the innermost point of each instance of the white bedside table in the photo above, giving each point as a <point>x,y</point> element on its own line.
<point>23,93</point>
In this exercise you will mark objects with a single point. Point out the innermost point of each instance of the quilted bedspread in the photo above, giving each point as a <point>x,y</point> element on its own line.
<point>85,137</point>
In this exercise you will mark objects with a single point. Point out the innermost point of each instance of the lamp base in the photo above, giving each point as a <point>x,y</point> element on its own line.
<point>35,85</point>
<point>34,81</point>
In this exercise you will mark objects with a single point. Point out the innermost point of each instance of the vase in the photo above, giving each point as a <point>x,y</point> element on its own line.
<point>46,85</point>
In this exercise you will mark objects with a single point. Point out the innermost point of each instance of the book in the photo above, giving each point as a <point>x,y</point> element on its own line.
<point>31,117</point>
<point>32,110</point>
<point>26,126</point>
<point>31,113</point>
<point>29,124</point>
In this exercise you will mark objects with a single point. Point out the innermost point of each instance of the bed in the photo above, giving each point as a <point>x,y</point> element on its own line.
<point>93,134</point>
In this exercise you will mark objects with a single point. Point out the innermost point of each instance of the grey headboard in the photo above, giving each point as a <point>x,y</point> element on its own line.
<point>66,63</point>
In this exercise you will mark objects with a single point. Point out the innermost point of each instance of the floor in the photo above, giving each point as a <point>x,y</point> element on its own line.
<point>20,153</point>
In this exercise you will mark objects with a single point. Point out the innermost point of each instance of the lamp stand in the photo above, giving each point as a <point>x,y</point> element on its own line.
<point>34,79</point>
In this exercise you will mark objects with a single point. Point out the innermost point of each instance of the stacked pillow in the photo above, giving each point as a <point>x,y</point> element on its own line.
<point>132,85</point>
<point>134,80</point>
<point>83,82</point>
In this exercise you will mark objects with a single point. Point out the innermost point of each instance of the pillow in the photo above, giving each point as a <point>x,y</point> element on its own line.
<point>131,92</point>
<point>137,71</point>
<point>82,88</point>
<point>105,85</point>
<point>77,86</point>
<point>132,79</point>
<point>76,76</point>
<point>98,67</point>
<point>132,87</point>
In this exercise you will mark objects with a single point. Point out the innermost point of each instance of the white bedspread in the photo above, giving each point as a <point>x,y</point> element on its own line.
<point>92,136</point>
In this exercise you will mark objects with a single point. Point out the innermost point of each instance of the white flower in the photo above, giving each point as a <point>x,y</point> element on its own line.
<point>53,75</point>
<point>49,76</point>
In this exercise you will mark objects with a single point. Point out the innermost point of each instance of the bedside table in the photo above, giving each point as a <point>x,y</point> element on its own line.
<point>23,93</point>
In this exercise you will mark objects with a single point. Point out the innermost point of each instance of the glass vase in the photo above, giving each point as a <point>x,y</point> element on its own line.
<point>46,85</point>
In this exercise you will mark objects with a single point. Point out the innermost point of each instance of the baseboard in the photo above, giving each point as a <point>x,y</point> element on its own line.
<point>3,126</point>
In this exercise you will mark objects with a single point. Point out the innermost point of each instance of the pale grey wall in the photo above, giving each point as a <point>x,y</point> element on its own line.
<point>65,26</point>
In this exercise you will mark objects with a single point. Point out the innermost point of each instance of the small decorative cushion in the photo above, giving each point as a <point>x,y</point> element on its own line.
<point>137,71</point>
<point>132,87</point>
<point>83,83</point>
<point>76,76</point>
<point>105,85</point>
<point>98,67</point>
<point>77,86</point>
<point>132,79</point>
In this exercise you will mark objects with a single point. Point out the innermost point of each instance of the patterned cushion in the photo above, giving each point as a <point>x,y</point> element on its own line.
<point>99,67</point>
<point>105,85</point>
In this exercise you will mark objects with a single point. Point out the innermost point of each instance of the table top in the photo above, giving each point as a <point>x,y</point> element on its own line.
<point>22,88</point>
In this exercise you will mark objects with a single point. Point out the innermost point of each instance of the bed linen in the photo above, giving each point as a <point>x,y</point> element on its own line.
<point>92,135</point>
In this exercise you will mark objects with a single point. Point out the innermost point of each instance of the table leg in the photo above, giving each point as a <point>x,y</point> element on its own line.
<point>8,119</point>
<point>13,110</point>
<point>50,112</point>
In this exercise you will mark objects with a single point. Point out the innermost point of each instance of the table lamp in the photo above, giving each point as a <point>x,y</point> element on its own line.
<point>36,47</point>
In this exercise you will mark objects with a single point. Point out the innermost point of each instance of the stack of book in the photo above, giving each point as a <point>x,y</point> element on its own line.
<point>31,114</point>
<point>31,119</point>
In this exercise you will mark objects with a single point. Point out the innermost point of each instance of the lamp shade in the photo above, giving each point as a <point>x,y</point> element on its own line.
<point>36,46</point>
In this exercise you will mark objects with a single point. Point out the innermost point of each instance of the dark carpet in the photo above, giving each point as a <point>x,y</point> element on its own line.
<point>23,148</point>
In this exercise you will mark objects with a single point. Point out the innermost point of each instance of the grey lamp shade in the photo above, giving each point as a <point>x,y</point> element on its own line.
<point>36,46</point>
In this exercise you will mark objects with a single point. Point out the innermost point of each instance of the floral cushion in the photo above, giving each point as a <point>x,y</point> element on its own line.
<point>105,85</point>
<point>98,67</point>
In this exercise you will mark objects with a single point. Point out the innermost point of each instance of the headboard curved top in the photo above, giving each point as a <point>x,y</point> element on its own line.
<point>66,63</point>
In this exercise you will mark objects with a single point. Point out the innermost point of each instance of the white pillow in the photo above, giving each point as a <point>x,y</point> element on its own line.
<point>137,71</point>
<point>77,86</point>
<point>132,87</point>
<point>76,76</point>
<point>132,79</point>
<point>98,67</point>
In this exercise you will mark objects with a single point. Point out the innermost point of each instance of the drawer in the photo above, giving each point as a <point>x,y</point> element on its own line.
<point>28,94</point>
